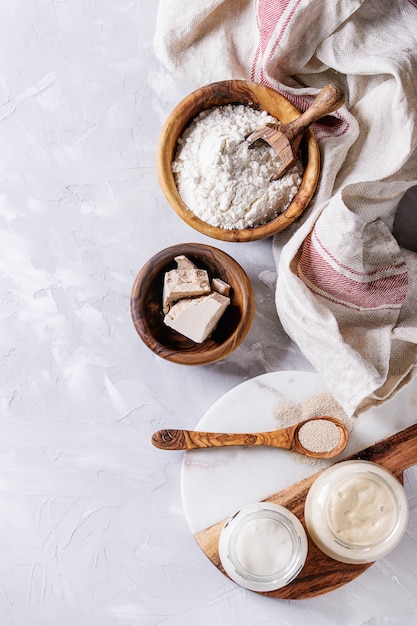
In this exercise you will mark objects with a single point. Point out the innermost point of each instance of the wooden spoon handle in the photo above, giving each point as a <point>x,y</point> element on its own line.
<point>190,439</point>
<point>329,99</point>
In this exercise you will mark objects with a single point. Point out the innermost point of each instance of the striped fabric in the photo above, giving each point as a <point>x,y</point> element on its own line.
<point>346,292</point>
<point>329,278</point>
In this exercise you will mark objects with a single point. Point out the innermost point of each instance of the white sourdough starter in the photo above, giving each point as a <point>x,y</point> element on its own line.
<point>223,181</point>
<point>263,546</point>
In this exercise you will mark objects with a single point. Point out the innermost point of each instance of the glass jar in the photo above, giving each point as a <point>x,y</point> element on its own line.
<point>263,546</point>
<point>356,511</point>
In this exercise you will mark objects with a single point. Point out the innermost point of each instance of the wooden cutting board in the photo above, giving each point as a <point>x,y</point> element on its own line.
<point>320,573</point>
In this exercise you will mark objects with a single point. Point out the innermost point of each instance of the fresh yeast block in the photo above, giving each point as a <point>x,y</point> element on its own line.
<point>196,318</point>
<point>184,282</point>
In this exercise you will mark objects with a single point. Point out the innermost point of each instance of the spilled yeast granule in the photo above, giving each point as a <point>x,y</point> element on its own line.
<point>288,414</point>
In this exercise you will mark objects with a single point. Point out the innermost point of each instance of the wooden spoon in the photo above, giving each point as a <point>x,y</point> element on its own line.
<point>286,138</point>
<point>286,438</point>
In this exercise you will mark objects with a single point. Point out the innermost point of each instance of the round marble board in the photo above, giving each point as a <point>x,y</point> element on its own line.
<point>215,483</point>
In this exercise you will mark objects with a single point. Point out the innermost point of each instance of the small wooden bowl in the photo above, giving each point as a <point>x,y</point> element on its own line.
<point>147,315</point>
<point>235,92</point>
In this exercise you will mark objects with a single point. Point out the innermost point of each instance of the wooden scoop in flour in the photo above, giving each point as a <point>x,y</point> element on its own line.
<point>286,138</point>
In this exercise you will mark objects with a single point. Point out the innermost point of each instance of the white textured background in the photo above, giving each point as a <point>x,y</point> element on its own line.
<point>92,531</point>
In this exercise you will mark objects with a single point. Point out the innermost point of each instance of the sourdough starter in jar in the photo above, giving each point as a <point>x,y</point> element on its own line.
<point>356,511</point>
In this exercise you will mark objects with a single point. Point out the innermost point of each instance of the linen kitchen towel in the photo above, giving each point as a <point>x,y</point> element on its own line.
<point>346,292</point>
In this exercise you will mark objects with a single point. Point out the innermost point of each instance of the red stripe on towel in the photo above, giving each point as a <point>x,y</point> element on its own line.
<point>387,268</point>
<point>372,293</point>
<point>284,26</point>
<point>268,16</point>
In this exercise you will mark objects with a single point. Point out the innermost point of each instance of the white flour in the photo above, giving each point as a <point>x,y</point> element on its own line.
<point>221,180</point>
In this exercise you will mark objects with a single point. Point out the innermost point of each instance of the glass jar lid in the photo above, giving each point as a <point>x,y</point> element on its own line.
<point>263,546</point>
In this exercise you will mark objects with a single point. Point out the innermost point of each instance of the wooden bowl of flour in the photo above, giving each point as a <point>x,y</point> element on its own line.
<point>260,98</point>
